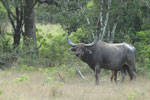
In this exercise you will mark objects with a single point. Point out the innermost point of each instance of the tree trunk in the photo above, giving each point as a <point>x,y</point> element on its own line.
<point>106,20</point>
<point>18,29</point>
<point>16,38</point>
<point>29,21</point>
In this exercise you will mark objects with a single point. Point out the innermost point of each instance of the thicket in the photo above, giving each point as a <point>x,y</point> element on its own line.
<point>52,48</point>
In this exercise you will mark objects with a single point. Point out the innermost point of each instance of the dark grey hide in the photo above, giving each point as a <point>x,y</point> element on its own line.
<point>106,55</point>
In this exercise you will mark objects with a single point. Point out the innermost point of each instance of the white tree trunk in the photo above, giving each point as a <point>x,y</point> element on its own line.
<point>106,20</point>
<point>113,32</point>
<point>87,19</point>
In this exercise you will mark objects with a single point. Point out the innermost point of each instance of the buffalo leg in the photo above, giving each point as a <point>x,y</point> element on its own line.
<point>123,74</point>
<point>128,70</point>
<point>132,73</point>
<point>114,76</point>
<point>131,65</point>
<point>97,71</point>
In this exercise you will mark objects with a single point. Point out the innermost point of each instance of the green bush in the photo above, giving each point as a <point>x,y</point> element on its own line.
<point>6,49</point>
<point>26,68</point>
<point>22,78</point>
<point>1,92</point>
<point>54,48</point>
<point>3,12</point>
<point>132,96</point>
<point>143,49</point>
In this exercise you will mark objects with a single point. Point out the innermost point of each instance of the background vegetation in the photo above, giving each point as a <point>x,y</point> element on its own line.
<point>50,48</point>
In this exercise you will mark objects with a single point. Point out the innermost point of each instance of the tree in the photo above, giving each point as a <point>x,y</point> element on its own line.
<point>21,14</point>
<point>15,16</point>
<point>29,22</point>
<point>97,16</point>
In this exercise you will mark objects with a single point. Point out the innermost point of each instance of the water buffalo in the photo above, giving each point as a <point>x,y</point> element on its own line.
<point>99,54</point>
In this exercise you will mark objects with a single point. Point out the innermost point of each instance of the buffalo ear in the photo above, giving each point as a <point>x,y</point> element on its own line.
<point>88,51</point>
<point>73,49</point>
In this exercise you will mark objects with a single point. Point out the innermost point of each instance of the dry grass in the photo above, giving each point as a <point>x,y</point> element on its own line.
<point>72,89</point>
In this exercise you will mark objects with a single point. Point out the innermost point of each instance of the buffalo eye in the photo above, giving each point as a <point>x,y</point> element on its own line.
<point>73,49</point>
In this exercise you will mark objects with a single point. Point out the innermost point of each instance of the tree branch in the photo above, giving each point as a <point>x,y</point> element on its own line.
<point>11,20</point>
<point>7,8</point>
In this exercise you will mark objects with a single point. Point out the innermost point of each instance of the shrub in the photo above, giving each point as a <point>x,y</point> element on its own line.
<point>143,48</point>
<point>1,92</point>
<point>132,96</point>
<point>22,78</point>
<point>54,47</point>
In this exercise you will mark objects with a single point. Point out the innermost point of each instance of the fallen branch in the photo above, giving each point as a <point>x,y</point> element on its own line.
<point>81,75</point>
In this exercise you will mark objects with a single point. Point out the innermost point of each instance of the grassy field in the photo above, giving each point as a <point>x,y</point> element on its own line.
<point>37,85</point>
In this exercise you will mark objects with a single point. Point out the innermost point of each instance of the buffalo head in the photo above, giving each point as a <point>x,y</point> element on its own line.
<point>81,49</point>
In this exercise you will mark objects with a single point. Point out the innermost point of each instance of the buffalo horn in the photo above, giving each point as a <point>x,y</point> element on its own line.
<point>93,43</point>
<point>69,42</point>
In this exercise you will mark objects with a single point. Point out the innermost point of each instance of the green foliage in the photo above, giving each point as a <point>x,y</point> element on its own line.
<point>54,48</point>
<point>143,48</point>
<point>81,35</point>
<point>22,67</point>
<point>144,37</point>
<point>6,49</point>
<point>22,78</point>
<point>3,12</point>
<point>26,68</point>
<point>146,26</point>
<point>1,92</point>
<point>68,14</point>
<point>5,43</point>
<point>132,96</point>
<point>62,71</point>
<point>49,79</point>
<point>90,3</point>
